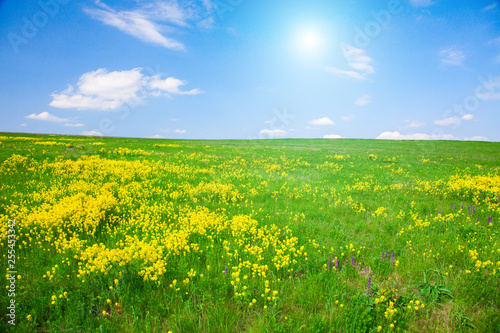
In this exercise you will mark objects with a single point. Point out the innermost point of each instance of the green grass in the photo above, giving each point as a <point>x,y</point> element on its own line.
<point>225,199</point>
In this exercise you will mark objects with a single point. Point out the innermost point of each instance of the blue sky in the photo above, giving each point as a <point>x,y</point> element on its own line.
<point>241,69</point>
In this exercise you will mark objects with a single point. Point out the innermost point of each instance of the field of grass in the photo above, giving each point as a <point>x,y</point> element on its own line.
<point>149,235</point>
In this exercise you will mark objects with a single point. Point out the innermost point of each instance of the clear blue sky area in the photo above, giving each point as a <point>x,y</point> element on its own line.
<point>240,69</point>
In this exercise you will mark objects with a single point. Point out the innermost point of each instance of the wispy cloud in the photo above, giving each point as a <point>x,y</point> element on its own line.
<point>477,138</point>
<point>347,118</point>
<point>273,132</point>
<point>423,136</point>
<point>157,136</point>
<point>412,124</point>
<point>452,56</point>
<point>103,90</point>
<point>45,116</point>
<point>91,133</point>
<point>363,100</point>
<point>416,136</point>
<point>447,121</point>
<point>180,131</point>
<point>322,121</point>
<point>152,19</point>
<point>421,3</point>
<point>344,74</point>
<point>332,136</point>
<point>490,7</point>
<point>453,120</point>
<point>492,90</point>
<point>357,60</point>
<point>74,125</point>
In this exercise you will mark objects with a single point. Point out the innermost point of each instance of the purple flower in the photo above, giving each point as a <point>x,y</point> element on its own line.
<point>337,264</point>
<point>382,255</point>
<point>392,257</point>
<point>490,218</point>
<point>225,270</point>
<point>368,285</point>
<point>462,206</point>
<point>276,196</point>
<point>477,219</point>
<point>473,209</point>
<point>352,261</point>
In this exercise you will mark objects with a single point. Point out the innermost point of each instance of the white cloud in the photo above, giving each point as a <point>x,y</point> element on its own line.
<point>179,131</point>
<point>23,125</point>
<point>274,132</point>
<point>363,100</point>
<point>357,59</point>
<point>91,133</point>
<point>74,125</point>
<point>452,56</point>
<point>171,85</point>
<point>477,138</point>
<point>332,136</point>
<point>490,7</point>
<point>447,121</point>
<point>322,121</point>
<point>157,136</point>
<point>417,136</point>
<point>45,116</point>
<point>468,117</point>
<point>421,3</point>
<point>152,19</point>
<point>103,90</point>
<point>347,118</point>
<point>413,124</point>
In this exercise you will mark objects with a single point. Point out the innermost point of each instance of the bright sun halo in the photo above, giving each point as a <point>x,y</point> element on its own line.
<point>309,41</point>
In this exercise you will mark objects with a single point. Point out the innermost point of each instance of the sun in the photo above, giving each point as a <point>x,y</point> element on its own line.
<point>308,42</point>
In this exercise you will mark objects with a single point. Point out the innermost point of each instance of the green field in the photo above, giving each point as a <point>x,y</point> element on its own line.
<point>150,235</point>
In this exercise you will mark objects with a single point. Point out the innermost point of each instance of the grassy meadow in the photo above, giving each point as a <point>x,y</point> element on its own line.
<point>150,235</point>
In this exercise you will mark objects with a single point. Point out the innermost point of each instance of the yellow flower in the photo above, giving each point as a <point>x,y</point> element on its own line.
<point>28,317</point>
